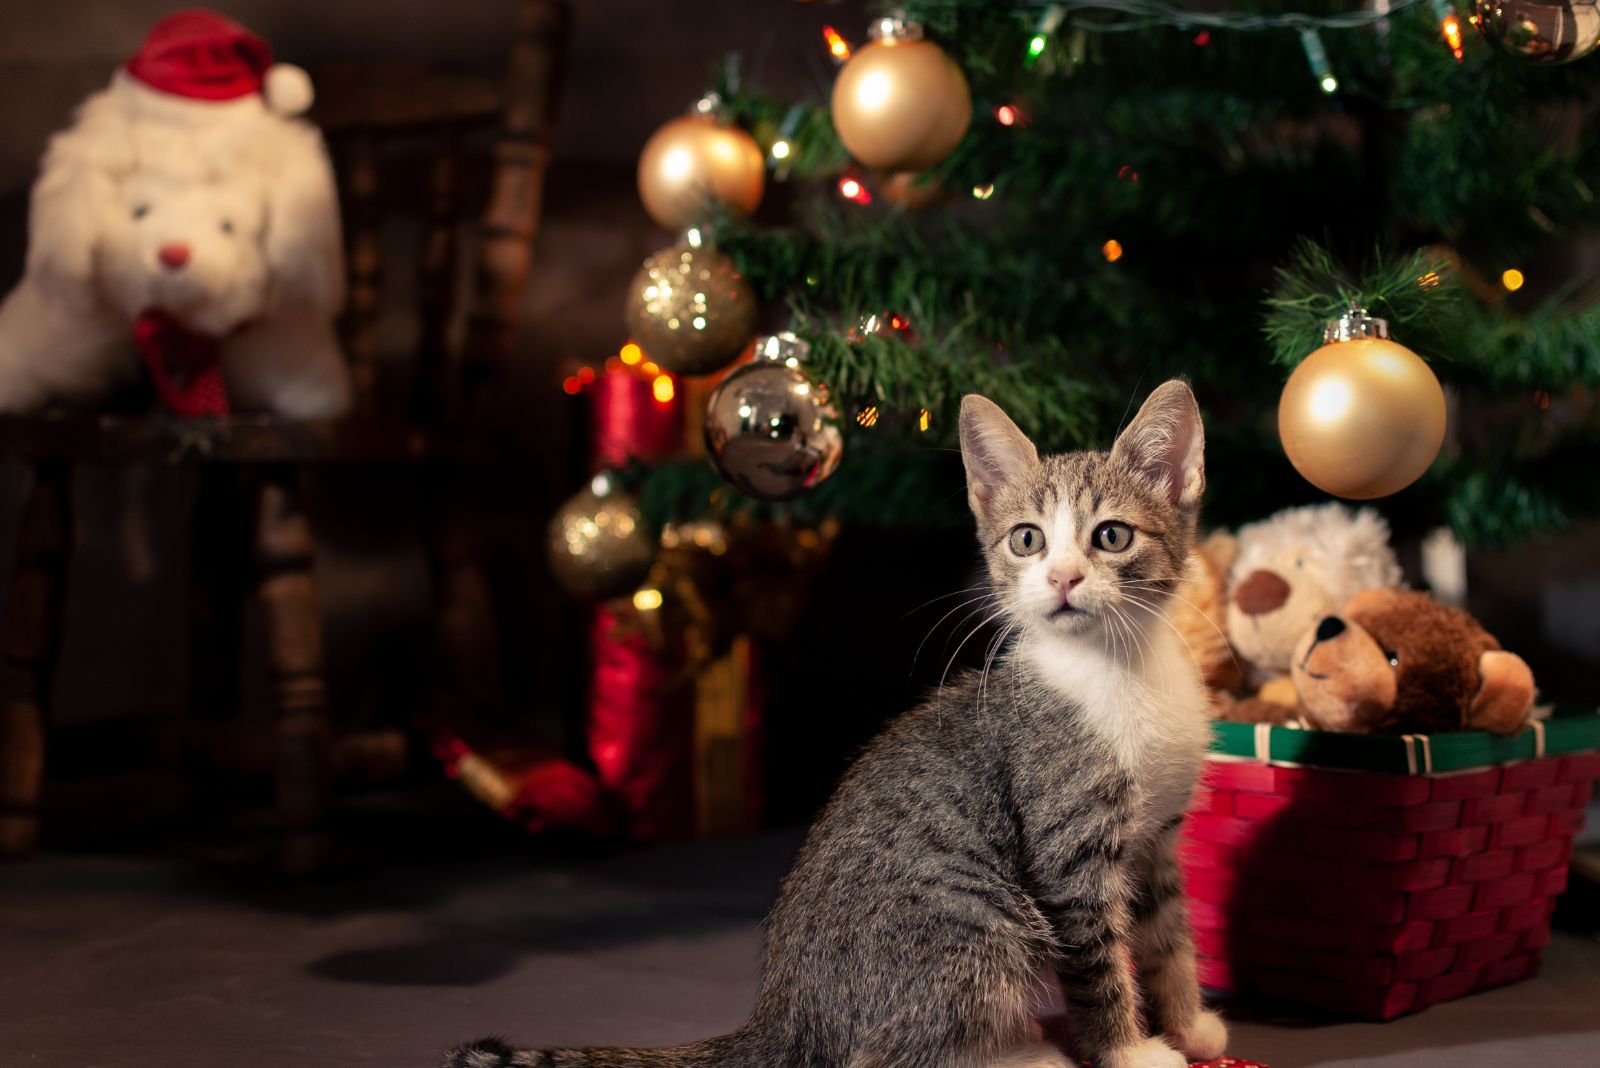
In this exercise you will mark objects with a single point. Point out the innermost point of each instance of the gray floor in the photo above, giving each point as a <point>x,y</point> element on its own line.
<point>109,961</point>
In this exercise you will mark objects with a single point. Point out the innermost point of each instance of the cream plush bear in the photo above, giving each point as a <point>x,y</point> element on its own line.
<point>1289,571</point>
<point>185,219</point>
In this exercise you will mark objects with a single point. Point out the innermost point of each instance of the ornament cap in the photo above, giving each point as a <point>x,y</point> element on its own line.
<point>710,105</point>
<point>785,347</point>
<point>1355,324</point>
<point>895,26</point>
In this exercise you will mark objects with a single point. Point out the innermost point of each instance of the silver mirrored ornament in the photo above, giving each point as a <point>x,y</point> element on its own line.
<point>1555,32</point>
<point>769,431</point>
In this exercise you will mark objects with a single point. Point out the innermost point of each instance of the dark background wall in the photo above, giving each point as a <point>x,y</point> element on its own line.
<point>633,63</point>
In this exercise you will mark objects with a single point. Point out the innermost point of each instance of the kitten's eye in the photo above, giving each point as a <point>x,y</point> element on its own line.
<point>1027,540</point>
<point>227,226</point>
<point>141,210</point>
<point>1394,657</point>
<point>1113,537</point>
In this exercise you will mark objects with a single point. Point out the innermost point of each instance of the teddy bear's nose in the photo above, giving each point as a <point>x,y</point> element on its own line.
<point>174,255</point>
<point>1260,593</point>
<point>1330,628</point>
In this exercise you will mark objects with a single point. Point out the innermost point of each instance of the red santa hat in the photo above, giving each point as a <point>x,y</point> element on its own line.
<point>201,55</point>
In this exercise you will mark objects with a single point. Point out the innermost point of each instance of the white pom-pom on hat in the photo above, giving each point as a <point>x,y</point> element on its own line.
<point>287,89</point>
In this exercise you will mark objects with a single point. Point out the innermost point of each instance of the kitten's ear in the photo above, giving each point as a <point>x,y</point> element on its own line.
<point>1166,442</point>
<point>994,451</point>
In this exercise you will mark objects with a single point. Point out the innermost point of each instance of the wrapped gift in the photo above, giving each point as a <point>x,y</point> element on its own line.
<point>1379,875</point>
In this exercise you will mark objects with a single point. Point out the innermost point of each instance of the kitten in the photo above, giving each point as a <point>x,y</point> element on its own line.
<point>1014,835</point>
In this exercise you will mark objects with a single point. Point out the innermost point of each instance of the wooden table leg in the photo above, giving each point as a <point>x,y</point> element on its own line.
<point>287,586</point>
<point>30,645</point>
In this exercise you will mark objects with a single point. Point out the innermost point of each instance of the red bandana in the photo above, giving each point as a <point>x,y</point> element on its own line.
<point>184,365</point>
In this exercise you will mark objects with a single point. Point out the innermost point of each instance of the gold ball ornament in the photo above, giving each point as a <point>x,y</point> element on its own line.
<point>1557,31</point>
<point>769,431</point>
<point>690,309</point>
<point>1363,416</point>
<point>598,542</point>
<point>694,160</point>
<point>901,103</point>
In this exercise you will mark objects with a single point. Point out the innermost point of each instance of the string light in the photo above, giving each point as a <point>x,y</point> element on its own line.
<point>1047,25</point>
<point>852,189</point>
<point>1317,57</point>
<point>867,416</point>
<point>662,389</point>
<point>631,354</point>
<point>1512,279</point>
<point>1202,38</point>
<point>923,420</point>
<point>571,385</point>
<point>838,47</point>
<point>586,375</point>
<point>1450,27</point>
<point>649,367</point>
<point>647,599</point>
<point>983,191</point>
<point>1430,280</point>
<point>1126,173</point>
<point>1010,115</point>
<point>1142,14</point>
<point>780,149</point>
<point>1111,250</point>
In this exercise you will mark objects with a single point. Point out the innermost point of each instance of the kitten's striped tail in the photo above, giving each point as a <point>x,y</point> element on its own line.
<point>730,1051</point>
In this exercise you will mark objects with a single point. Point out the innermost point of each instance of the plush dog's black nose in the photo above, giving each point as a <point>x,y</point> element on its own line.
<point>1330,627</point>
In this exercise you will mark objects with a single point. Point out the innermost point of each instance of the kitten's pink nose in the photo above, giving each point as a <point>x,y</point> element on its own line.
<point>1065,582</point>
<point>173,256</point>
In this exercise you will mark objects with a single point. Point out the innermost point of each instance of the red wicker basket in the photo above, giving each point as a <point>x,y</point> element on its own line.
<point>1381,892</point>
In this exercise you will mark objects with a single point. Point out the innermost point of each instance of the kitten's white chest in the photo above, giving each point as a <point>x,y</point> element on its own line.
<point>1152,714</point>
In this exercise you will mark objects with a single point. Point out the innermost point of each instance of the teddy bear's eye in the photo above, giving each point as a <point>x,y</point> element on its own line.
<point>1394,657</point>
<point>227,226</point>
<point>141,210</point>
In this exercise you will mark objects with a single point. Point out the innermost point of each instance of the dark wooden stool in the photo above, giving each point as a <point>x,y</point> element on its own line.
<point>467,132</point>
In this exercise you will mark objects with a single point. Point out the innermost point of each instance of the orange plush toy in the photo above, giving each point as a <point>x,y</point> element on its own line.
<point>1398,662</point>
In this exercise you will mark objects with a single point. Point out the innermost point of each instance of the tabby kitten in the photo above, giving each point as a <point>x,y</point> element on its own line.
<point>1010,842</point>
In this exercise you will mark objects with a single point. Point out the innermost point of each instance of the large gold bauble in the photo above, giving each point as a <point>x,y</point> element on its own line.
<point>690,309</point>
<point>769,431</point>
<point>1553,32</point>
<point>694,160</point>
<point>599,544</point>
<point>1362,418</point>
<point>901,105</point>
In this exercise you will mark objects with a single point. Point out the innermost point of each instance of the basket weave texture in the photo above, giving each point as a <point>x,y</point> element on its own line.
<point>1378,894</point>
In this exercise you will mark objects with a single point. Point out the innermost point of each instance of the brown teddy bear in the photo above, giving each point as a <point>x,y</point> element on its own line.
<point>1398,662</point>
<point>1199,614</point>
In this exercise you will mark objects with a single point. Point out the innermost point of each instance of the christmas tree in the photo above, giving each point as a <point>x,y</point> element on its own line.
<point>1079,200</point>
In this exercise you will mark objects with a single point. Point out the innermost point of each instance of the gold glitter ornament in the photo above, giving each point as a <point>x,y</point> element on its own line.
<point>769,431</point>
<point>690,309</point>
<point>598,542</point>
<point>1546,33</point>
<point>1361,417</point>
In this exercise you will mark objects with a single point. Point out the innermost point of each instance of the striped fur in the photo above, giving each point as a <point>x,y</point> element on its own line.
<point>1020,823</point>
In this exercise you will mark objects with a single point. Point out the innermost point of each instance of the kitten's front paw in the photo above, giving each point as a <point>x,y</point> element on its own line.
<point>1204,1039</point>
<point>1150,1053</point>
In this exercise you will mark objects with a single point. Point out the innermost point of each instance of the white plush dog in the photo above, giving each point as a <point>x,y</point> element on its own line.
<point>184,192</point>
